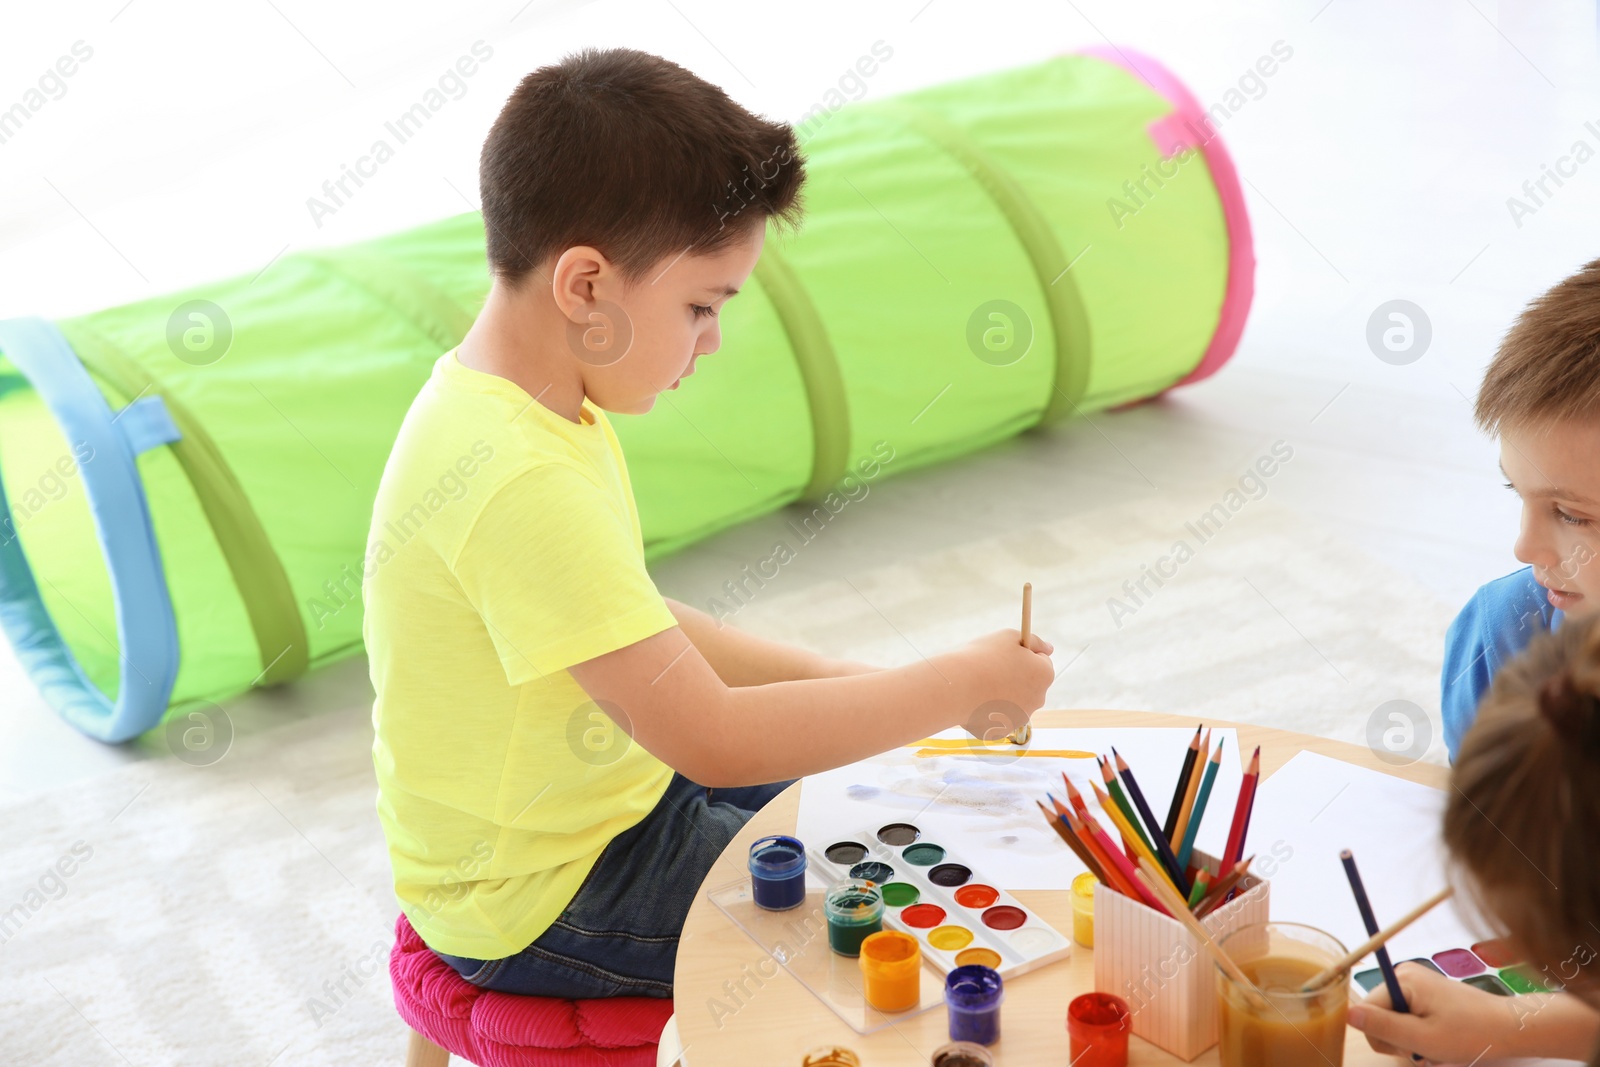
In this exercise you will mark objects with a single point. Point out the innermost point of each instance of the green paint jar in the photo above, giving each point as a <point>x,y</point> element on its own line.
<point>854,908</point>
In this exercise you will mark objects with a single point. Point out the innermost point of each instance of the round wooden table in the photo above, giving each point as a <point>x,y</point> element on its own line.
<point>735,1006</point>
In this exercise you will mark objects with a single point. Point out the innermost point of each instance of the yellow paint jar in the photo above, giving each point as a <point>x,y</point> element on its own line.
<point>891,965</point>
<point>1083,909</point>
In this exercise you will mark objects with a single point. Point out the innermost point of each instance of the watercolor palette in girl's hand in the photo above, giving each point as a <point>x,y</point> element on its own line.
<point>954,913</point>
<point>1489,965</point>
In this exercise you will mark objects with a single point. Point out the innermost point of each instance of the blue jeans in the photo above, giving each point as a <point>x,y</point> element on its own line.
<point>619,935</point>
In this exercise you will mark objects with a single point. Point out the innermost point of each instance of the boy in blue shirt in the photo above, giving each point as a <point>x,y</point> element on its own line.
<point>1541,397</point>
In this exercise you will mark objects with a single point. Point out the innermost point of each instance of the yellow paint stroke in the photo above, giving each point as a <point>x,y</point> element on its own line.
<point>1054,753</point>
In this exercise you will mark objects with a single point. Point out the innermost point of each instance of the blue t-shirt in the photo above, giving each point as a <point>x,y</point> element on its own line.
<point>1496,624</point>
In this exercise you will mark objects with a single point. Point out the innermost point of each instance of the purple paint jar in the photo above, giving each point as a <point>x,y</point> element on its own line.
<point>778,873</point>
<point>973,994</point>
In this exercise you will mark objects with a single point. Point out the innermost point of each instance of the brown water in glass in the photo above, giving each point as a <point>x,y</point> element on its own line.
<point>1296,1029</point>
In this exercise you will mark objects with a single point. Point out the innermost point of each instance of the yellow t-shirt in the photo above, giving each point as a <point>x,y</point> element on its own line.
<point>505,547</point>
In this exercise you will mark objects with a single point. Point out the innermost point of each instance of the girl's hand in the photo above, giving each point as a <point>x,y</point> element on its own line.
<point>1452,1022</point>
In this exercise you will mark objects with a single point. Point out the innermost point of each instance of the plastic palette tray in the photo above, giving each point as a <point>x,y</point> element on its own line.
<point>955,916</point>
<point>798,940</point>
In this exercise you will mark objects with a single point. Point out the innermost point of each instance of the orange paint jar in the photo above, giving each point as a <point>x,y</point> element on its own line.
<point>891,964</point>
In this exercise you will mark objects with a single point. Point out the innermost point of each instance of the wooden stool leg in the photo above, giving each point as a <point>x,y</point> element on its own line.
<point>424,1053</point>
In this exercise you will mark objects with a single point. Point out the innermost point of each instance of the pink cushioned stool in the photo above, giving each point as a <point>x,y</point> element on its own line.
<point>447,1014</point>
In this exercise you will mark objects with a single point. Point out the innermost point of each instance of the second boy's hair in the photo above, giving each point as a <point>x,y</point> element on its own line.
<point>1523,818</point>
<point>1548,367</point>
<point>634,155</point>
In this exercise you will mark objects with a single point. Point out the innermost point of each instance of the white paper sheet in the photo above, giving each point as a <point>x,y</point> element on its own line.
<point>1314,807</point>
<point>983,810</point>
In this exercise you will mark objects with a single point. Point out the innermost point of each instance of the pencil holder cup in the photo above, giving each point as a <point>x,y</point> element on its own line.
<point>1162,970</point>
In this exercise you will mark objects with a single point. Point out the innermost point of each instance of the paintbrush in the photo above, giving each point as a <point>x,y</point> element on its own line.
<point>1163,846</point>
<point>1024,733</point>
<point>1152,878</point>
<point>1377,940</point>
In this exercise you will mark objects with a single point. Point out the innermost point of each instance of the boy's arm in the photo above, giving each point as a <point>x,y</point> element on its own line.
<point>741,658</point>
<point>664,694</point>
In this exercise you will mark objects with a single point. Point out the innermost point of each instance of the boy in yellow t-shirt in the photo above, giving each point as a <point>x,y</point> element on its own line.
<point>561,753</point>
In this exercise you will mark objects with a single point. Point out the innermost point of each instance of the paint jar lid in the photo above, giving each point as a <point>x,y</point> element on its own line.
<point>831,1056</point>
<point>777,857</point>
<point>853,900</point>
<point>973,987</point>
<point>962,1054</point>
<point>890,952</point>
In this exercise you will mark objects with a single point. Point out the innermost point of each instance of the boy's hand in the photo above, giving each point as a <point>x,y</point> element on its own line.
<point>1011,681</point>
<point>1449,1021</point>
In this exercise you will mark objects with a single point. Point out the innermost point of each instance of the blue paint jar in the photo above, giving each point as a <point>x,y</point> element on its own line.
<point>778,873</point>
<point>973,994</point>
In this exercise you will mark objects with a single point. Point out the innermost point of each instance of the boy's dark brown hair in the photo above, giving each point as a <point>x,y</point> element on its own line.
<point>1523,817</point>
<point>1548,367</point>
<point>634,155</point>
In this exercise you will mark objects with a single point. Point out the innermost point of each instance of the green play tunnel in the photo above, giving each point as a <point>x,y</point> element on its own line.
<point>188,480</point>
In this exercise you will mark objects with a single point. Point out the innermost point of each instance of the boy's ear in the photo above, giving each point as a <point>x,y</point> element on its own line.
<point>574,278</point>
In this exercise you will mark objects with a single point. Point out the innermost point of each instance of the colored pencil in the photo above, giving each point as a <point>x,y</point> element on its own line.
<point>1119,874</point>
<point>1212,767</point>
<point>1397,999</point>
<point>1152,877</point>
<point>1122,802</point>
<point>1169,828</point>
<point>1218,891</point>
<point>1072,842</point>
<point>1163,846</point>
<point>1124,870</point>
<point>1107,864</point>
<point>1120,821</point>
<point>1198,890</point>
<point>1241,810</point>
<point>1377,940</point>
<point>1186,811</point>
<point>1102,867</point>
<point>1078,804</point>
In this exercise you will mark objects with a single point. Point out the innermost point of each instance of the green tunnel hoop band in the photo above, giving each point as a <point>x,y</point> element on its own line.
<point>186,482</point>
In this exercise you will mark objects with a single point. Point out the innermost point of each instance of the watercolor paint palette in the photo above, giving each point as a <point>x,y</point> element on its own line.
<point>1488,965</point>
<point>956,915</point>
